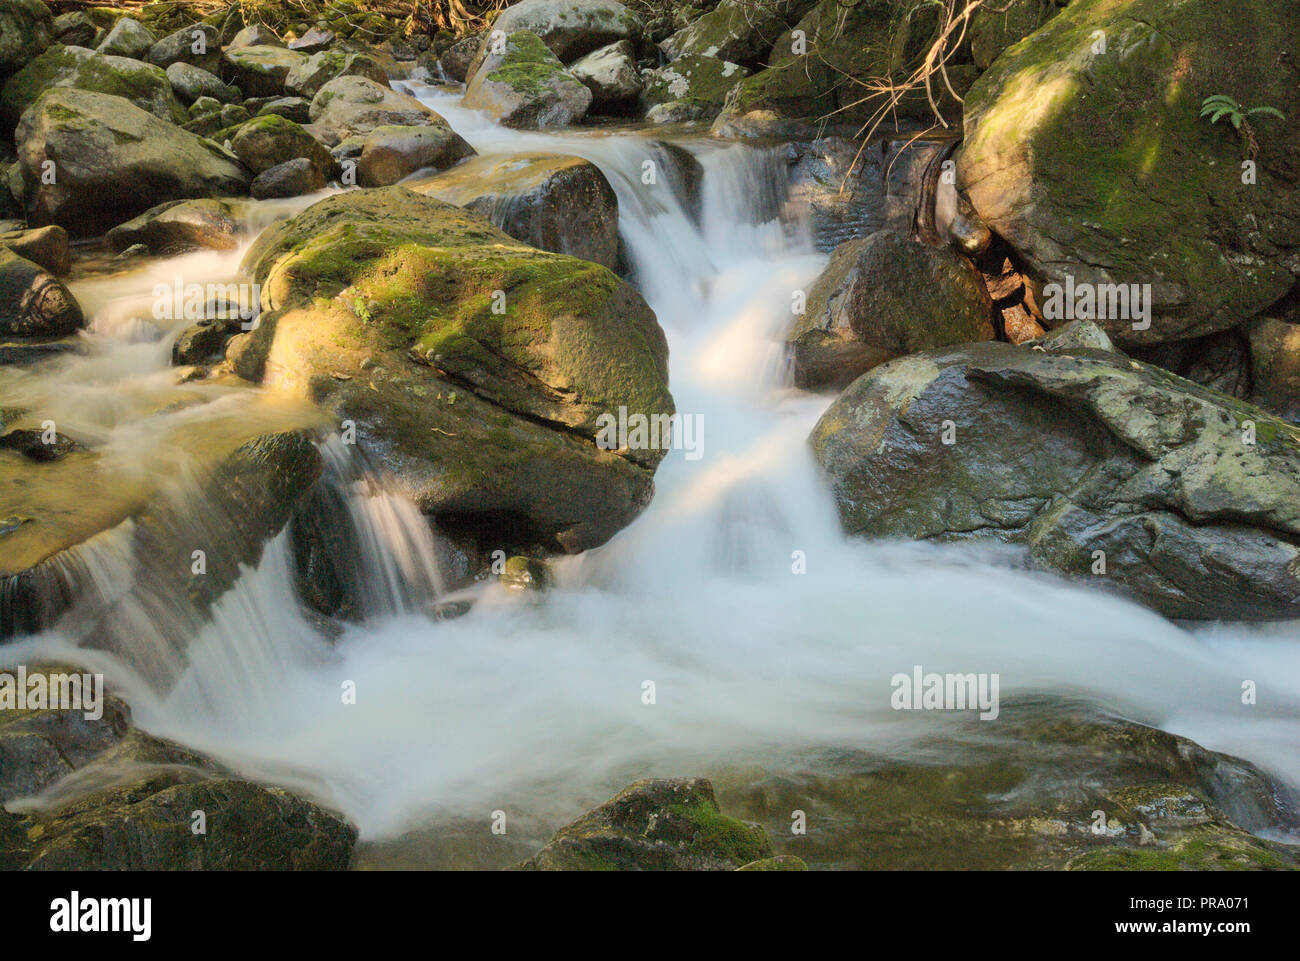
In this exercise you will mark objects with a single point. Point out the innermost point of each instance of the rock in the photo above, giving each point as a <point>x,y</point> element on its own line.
<point>884,296</point>
<point>313,41</point>
<point>610,74</point>
<point>526,574</point>
<point>527,86</point>
<point>393,153</point>
<point>1191,496</point>
<point>655,825</point>
<point>256,35</point>
<point>74,67</point>
<point>198,44</point>
<point>290,108</point>
<point>121,799</point>
<point>308,76</point>
<point>354,106</point>
<point>493,425</point>
<point>74,30</point>
<point>114,161</point>
<point>200,344</point>
<point>698,84</point>
<point>569,28</point>
<point>292,178</point>
<point>782,862</point>
<point>1274,365</point>
<point>1219,361</point>
<point>179,226</point>
<point>556,203</point>
<point>1089,214</point>
<point>191,83</point>
<point>219,124</point>
<point>47,247</point>
<point>260,71</point>
<point>33,302</point>
<point>269,140</point>
<point>742,31</point>
<point>993,30</point>
<point>128,38</point>
<point>456,59</point>
<point>26,29</point>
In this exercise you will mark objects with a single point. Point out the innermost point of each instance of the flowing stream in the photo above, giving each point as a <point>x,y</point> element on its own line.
<point>533,704</point>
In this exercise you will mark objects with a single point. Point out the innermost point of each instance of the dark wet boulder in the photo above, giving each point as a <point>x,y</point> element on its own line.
<point>655,825</point>
<point>884,296</point>
<point>113,161</point>
<point>74,30</point>
<point>1104,468</point>
<point>33,302</point>
<point>556,203</point>
<point>456,59</point>
<point>1274,365</point>
<point>26,29</point>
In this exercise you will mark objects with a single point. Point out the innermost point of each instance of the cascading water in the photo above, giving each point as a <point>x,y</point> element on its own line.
<point>533,703</point>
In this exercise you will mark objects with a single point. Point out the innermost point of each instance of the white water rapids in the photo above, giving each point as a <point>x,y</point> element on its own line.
<point>533,704</point>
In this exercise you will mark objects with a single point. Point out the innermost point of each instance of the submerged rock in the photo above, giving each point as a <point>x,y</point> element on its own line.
<point>655,825</point>
<point>1104,467</point>
<point>525,85</point>
<point>474,368</point>
<point>556,203</point>
<point>881,297</point>
<point>1144,204</point>
<point>114,161</point>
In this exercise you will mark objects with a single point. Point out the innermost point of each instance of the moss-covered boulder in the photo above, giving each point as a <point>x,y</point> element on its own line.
<point>191,83</point>
<point>742,31</point>
<point>997,26</point>
<point>655,825</point>
<point>179,226</point>
<point>884,296</point>
<point>259,71</point>
<point>569,28</point>
<point>128,38</point>
<point>1106,469</point>
<point>198,44</point>
<point>266,141</point>
<point>392,153</point>
<point>525,85</point>
<point>26,29</point>
<point>353,106</point>
<point>113,160</point>
<point>477,368</point>
<point>1091,159</point>
<point>74,29</point>
<point>308,76</point>
<point>692,87</point>
<point>75,67</point>
<point>556,203</point>
<point>33,302</point>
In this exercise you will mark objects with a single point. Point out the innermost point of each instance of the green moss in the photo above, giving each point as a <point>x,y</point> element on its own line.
<point>723,836</point>
<point>1206,849</point>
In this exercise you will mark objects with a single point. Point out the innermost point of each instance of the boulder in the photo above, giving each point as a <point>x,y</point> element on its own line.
<point>556,203</point>
<point>692,87</point>
<point>220,123</point>
<point>266,141</point>
<point>309,75</point>
<point>655,825</point>
<point>1274,365</point>
<point>393,153</point>
<point>292,178</point>
<point>1142,208</point>
<point>33,302</point>
<point>256,35</point>
<point>476,369</point>
<point>1103,467</point>
<point>74,30</point>
<point>610,74</point>
<point>26,29</point>
<point>179,226</point>
<point>569,28</point>
<point>313,41</point>
<point>75,67</point>
<point>354,106</point>
<point>296,109</point>
<point>47,247</point>
<point>884,296</point>
<point>525,85</point>
<point>742,31</point>
<point>456,59</point>
<point>994,28</point>
<point>198,44</point>
<point>128,38</point>
<point>259,71</point>
<point>114,161</point>
<point>191,83</point>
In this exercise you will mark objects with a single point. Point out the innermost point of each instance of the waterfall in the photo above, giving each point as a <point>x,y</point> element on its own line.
<point>533,702</point>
